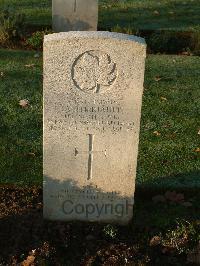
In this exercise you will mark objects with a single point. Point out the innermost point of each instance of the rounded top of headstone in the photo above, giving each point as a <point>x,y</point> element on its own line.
<point>94,35</point>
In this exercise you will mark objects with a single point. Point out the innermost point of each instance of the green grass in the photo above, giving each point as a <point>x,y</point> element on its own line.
<point>38,12</point>
<point>20,129</point>
<point>167,160</point>
<point>139,14</point>
<point>171,107</point>
<point>151,14</point>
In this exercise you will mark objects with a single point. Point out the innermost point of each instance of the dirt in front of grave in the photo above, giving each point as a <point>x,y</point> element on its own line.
<point>27,239</point>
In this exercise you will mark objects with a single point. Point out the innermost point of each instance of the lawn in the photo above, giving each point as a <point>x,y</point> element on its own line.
<point>169,142</point>
<point>137,14</point>
<point>20,129</point>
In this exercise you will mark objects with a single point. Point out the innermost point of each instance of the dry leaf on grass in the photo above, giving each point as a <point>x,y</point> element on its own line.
<point>24,103</point>
<point>157,78</point>
<point>156,133</point>
<point>31,154</point>
<point>163,98</point>
<point>170,195</point>
<point>186,53</point>
<point>36,55</point>
<point>187,204</point>
<point>29,261</point>
<point>156,12</point>
<point>30,65</point>
<point>155,241</point>
<point>33,251</point>
<point>198,132</point>
<point>174,197</point>
<point>179,197</point>
<point>197,150</point>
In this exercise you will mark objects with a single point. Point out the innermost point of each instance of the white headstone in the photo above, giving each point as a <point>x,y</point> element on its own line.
<point>93,86</point>
<point>74,15</point>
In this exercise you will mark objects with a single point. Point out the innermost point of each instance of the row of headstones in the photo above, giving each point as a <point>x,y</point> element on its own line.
<point>93,85</point>
<point>74,15</point>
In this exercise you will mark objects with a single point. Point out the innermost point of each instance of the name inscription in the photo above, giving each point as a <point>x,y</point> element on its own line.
<point>98,116</point>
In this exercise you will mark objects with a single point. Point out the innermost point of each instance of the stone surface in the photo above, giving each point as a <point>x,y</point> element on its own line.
<point>93,85</point>
<point>69,15</point>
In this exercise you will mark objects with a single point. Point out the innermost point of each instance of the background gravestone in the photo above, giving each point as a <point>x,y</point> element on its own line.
<point>74,15</point>
<point>93,85</point>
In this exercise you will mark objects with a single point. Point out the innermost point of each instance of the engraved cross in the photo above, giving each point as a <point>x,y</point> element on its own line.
<point>75,5</point>
<point>90,153</point>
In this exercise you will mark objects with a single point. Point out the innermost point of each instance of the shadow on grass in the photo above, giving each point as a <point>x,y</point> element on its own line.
<point>185,182</point>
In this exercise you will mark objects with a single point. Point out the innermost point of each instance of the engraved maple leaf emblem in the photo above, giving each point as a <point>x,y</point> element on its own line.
<point>93,71</point>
